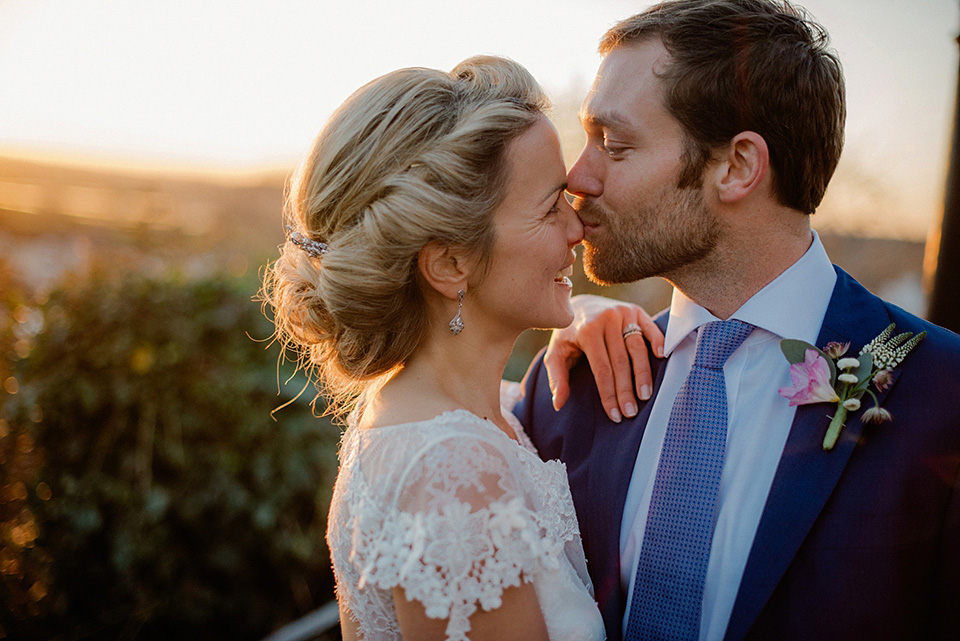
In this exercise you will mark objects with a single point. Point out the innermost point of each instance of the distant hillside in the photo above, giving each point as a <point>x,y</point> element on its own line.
<point>55,219</point>
<point>243,211</point>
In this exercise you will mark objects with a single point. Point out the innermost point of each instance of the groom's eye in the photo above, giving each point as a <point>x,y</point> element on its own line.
<point>611,150</point>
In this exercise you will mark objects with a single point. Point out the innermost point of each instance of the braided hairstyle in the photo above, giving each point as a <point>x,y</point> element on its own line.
<point>415,156</point>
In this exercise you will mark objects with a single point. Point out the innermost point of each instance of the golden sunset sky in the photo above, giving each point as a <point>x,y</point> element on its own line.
<point>243,85</point>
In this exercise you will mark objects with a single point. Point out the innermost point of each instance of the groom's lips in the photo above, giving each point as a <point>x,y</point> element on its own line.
<point>581,207</point>
<point>586,222</point>
<point>588,226</point>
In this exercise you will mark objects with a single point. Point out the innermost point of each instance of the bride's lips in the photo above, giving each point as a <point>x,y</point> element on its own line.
<point>564,274</point>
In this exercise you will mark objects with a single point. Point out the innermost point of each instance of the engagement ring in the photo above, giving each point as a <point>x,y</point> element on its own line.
<point>631,329</point>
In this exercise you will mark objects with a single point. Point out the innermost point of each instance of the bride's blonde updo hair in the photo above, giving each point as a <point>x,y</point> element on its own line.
<point>415,156</point>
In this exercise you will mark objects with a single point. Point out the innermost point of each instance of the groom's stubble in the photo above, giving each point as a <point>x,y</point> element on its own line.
<point>673,230</point>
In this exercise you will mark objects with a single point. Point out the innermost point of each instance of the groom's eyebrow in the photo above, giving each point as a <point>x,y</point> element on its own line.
<point>605,120</point>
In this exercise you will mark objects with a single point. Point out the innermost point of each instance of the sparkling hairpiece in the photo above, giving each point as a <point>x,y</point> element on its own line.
<point>314,248</point>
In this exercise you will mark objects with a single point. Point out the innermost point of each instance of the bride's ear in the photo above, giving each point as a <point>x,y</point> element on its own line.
<point>446,269</point>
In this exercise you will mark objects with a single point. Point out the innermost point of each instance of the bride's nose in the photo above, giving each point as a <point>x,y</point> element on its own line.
<point>574,225</point>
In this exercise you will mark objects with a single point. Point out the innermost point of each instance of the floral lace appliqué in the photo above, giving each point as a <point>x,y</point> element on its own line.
<point>452,516</point>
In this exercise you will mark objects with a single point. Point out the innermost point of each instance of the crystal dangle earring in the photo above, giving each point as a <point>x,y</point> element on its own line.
<point>456,325</point>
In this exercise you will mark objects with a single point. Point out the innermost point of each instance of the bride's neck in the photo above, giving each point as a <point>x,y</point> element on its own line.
<point>445,373</point>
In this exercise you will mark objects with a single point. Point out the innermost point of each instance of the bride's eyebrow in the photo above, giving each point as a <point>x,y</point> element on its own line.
<point>551,195</point>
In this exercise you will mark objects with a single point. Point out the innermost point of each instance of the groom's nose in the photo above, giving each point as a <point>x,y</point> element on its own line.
<point>583,179</point>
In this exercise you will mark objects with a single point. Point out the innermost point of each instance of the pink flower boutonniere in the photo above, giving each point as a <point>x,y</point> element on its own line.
<point>825,376</point>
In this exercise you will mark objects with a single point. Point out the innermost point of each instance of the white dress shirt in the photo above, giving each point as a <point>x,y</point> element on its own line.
<point>758,422</point>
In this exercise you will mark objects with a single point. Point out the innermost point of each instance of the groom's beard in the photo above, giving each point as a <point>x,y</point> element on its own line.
<point>677,229</point>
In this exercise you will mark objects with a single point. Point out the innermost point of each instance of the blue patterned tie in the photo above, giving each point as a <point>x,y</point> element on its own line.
<point>668,591</point>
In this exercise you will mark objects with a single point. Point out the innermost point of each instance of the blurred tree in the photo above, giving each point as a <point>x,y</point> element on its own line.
<point>145,491</point>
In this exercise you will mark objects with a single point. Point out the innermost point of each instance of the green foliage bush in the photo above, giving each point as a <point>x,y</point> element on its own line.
<point>145,491</point>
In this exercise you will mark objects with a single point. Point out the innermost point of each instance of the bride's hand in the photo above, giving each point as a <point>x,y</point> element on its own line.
<point>620,365</point>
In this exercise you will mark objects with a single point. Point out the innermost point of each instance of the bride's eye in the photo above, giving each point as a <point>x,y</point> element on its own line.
<point>556,205</point>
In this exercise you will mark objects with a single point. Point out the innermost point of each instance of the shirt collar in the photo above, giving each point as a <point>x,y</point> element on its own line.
<point>791,306</point>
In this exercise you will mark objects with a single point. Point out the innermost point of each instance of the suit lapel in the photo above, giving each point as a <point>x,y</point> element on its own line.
<point>612,459</point>
<point>807,474</point>
<point>616,445</point>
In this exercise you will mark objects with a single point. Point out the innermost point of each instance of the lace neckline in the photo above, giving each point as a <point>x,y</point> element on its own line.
<point>440,419</point>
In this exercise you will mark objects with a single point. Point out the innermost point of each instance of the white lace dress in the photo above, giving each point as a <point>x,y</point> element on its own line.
<point>454,511</point>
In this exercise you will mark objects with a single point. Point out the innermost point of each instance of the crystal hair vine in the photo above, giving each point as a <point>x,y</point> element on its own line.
<point>314,248</point>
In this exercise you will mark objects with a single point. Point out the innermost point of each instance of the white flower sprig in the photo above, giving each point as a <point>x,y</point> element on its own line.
<point>889,352</point>
<point>819,376</point>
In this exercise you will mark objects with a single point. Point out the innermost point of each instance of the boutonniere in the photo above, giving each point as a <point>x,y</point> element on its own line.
<point>826,376</point>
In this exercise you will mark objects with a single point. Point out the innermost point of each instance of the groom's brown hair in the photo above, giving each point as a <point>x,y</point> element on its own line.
<point>749,65</point>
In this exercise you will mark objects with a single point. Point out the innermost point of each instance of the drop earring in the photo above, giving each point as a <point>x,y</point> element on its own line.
<point>456,325</point>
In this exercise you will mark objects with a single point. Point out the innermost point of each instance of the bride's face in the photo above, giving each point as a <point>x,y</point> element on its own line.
<point>527,281</point>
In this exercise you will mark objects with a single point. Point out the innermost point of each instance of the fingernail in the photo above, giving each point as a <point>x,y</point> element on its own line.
<point>660,352</point>
<point>553,399</point>
<point>644,392</point>
<point>630,410</point>
<point>615,415</point>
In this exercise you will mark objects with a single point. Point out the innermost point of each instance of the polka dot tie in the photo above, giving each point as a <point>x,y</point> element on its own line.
<point>668,591</point>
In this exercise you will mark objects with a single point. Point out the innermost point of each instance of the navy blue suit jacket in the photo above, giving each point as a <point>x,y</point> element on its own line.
<point>860,542</point>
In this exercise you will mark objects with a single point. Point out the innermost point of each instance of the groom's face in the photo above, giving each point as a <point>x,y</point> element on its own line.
<point>637,222</point>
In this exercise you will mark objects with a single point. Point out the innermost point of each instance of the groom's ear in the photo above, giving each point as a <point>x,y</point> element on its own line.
<point>741,167</point>
<point>446,269</point>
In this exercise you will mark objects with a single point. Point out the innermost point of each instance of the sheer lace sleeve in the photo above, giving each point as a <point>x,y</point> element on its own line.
<point>459,530</point>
